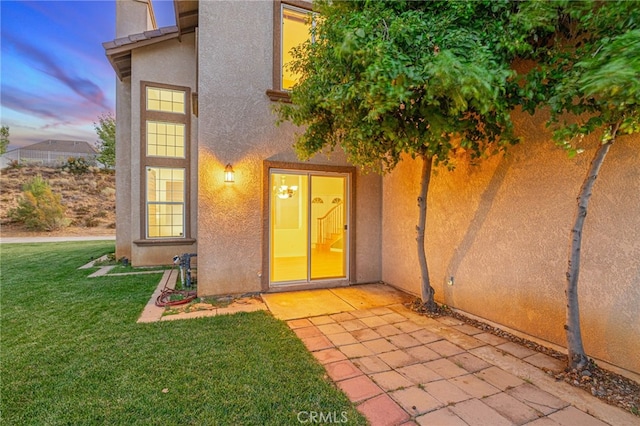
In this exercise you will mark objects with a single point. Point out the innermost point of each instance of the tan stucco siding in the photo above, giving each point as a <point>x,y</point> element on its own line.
<point>501,230</point>
<point>237,126</point>
<point>171,62</point>
<point>123,169</point>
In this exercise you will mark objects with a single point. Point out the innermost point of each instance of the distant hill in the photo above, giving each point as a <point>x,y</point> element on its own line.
<point>89,198</point>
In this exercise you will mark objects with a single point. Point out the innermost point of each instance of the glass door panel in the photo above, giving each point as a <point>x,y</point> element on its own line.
<point>328,234</point>
<point>289,227</point>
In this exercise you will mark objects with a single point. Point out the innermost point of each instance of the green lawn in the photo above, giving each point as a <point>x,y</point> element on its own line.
<point>72,353</point>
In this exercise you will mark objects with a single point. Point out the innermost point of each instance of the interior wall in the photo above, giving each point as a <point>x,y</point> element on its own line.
<point>501,231</point>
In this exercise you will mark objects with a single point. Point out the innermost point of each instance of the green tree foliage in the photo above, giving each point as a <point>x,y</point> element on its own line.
<point>589,77</point>
<point>430,79</point>
<point>106,131</point>
<point>4,139</point>
<point>39,208</point>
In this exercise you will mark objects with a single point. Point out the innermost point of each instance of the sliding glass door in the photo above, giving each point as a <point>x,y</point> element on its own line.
<point>308,226</point>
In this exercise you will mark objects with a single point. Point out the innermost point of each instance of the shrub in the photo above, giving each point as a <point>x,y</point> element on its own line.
<point>77,166</point>
<point>39,208</point>
<point>15,164</point>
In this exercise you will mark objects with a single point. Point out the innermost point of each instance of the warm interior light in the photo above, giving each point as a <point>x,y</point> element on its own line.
<point>228,173</point>
<point>285,191</point>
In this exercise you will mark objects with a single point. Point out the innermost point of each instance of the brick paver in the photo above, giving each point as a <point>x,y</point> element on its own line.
<point>374,321</point>
<point>383,411</point>
<point>446,392</point>
<point>499,378</point>
<point>473,386</point>
<point>511,408</point>
<point>331,328</point>
<point>408,326</point>
<point>441,417</point>
<point>321,320</point>
<point>403,340</point>
<point>353,325</point>
<point>317,343</point>
<point>469,362</point>
<point>371,364</point>
<point>490,338</point>
<point>537,398</point>
<point>391,380</point>
<point>326,356</point>
<point>307,331</point>
<point>419,374</point>
<point>379,346</point>
<point>445,368</point>
<point>545,362</point>
<point>359,388</point>
<point>365,334</point>
<point>516,350</point>
<point>422,353</point>
<point>445,348</point>
<point>476,413</point>
<point>343,338</point>
<point>299,323</point>
<point>425,336</point>
<point>398,358</point>
<point>415,401</point>
<point>356,350</point>
<point>342,370</point>
<point>571,416</point>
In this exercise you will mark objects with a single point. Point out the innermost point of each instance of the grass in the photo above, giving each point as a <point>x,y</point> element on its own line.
<point>72,353</point>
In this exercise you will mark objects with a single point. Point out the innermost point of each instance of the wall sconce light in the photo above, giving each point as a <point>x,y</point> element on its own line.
<point>229,174</point>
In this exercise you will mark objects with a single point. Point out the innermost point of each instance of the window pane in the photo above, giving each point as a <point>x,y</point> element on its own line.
<point>289,227</point>
<point>165,202</point>
<point>165,100</point>
<point>165,139</point>
<point>295,31</point>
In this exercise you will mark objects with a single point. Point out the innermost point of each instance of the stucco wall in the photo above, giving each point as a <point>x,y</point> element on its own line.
<point>501,230</point>
<point>123,169</point>
<point>170,62</point>
<point>237,126</point>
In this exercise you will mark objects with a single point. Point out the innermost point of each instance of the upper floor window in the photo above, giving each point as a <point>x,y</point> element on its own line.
<point>165,100</point>
<point>165,139</point>
<point>296,25</point>
<point>293,21</point>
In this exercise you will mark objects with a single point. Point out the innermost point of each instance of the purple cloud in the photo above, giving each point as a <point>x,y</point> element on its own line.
<point>21,101</point>
<point>46,63</point>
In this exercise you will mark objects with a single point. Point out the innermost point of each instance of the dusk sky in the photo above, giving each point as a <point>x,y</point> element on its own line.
<point>55,79</point>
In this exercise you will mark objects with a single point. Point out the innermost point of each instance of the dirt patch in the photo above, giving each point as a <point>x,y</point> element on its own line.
<point>89,199</point>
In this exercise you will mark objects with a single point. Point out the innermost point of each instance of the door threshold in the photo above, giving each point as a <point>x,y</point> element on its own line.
<point>280,288</point>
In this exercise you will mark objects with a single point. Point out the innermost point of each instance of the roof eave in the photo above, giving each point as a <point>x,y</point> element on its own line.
<point>119,51</point>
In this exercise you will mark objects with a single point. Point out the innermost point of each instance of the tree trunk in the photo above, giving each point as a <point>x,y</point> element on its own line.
<point>427,291</point>
<point>577,357</point>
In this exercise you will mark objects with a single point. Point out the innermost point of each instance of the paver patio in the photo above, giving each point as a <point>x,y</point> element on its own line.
<point>401,368</point>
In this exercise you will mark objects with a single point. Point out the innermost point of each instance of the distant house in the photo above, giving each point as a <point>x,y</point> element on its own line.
<point>202,167</point>
<point>50,152</point>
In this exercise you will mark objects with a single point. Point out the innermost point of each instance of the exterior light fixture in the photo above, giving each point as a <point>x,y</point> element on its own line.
<point>229,174</point>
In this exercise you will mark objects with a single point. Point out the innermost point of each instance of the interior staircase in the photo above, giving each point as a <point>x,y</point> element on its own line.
<point>330,227</point>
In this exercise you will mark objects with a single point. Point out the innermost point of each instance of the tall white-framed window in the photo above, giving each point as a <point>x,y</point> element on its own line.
<point>165,129</point>
<point>165,202</point>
